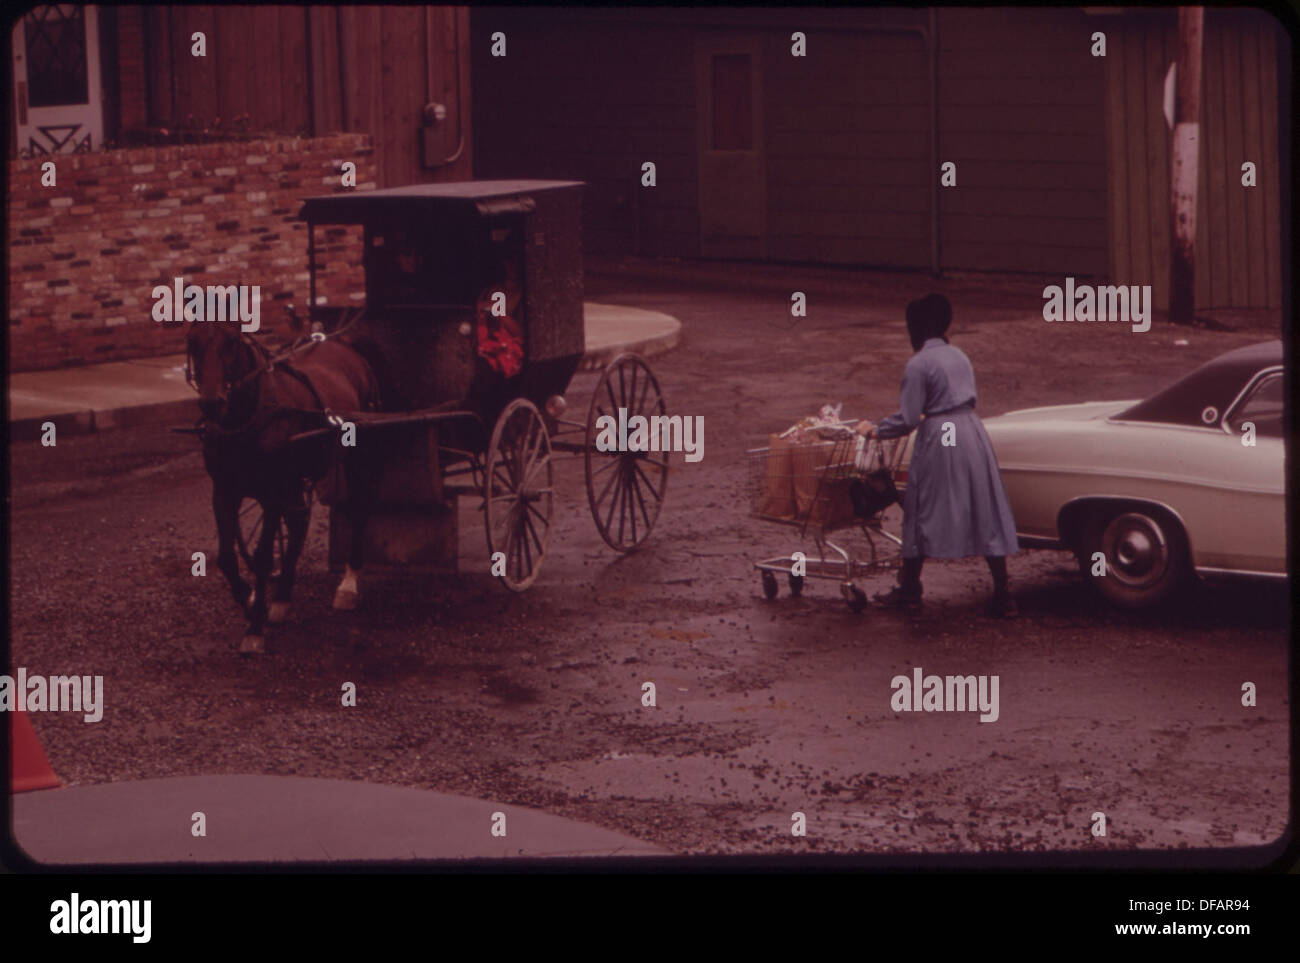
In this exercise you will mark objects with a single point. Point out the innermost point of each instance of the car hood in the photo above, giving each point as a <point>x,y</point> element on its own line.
<point>1086,411</point>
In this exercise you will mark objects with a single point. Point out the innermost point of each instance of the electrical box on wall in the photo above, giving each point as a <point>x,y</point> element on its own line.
<point>435,145</point>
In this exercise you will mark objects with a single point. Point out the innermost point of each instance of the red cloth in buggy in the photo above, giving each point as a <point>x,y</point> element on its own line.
<point>500,338</point>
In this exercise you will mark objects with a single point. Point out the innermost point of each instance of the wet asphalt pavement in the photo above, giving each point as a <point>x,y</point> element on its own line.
<point>764,708</point>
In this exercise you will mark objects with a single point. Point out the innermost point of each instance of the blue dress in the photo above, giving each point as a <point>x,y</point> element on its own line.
<point>955,504</point>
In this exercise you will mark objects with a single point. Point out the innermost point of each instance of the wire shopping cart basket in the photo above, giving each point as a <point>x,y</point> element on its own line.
<point>839,481</point>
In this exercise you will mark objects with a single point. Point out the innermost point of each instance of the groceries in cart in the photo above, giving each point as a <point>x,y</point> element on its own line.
<point>819,476</point>
<point>819,470</point>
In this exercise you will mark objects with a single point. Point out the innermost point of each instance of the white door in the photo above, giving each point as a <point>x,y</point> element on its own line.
<point>57,98</point>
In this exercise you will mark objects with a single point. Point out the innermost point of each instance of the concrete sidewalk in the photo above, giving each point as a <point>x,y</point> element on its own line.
<point>152,391</point>
<point>289,818</point>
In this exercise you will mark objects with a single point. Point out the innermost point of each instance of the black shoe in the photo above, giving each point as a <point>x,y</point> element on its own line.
<point>1002,606</point>
<point>898,598</point>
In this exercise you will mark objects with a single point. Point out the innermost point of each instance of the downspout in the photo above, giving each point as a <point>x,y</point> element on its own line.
<point>345,122</point>
<point>932,49</point>
<point>311,81</point>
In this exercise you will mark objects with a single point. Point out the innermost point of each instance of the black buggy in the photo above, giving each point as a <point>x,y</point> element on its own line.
<point>473,323</point>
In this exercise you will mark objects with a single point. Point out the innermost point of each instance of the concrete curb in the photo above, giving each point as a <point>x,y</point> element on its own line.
<point>180,413</point>
<point>611,330</point>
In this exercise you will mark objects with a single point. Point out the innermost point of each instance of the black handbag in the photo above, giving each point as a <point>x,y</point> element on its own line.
<point>873,492</point>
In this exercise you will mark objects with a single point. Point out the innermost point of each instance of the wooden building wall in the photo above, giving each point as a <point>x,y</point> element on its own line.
<point>312,70</point>
<point>845,130</point>
<point>1238,229</point>
<point>1062,157</point>
<point>569,101</point>
<point>1021,113</point>
<point>848,148</point>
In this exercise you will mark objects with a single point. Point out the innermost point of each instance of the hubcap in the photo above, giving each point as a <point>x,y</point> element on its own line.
<point>1137,552</point>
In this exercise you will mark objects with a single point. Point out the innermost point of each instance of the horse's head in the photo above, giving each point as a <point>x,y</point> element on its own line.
<point>219,364</point>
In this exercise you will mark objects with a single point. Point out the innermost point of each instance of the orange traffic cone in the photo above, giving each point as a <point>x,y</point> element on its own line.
<point>28,766</point>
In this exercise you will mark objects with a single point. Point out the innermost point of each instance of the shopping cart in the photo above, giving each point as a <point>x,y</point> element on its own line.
<point>838,481</point>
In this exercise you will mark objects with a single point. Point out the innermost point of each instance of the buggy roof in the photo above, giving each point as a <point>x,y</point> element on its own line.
<point>421,200</point>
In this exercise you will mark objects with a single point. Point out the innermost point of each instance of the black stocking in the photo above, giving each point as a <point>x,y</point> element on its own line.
<point>998,569</point>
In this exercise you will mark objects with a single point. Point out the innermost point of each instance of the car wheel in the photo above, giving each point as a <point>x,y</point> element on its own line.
<point>1146,556</point>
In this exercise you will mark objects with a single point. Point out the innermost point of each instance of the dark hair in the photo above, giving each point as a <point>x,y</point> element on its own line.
<point>928,317</point>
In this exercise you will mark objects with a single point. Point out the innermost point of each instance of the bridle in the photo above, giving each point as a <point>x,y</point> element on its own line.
<point>265,362</point>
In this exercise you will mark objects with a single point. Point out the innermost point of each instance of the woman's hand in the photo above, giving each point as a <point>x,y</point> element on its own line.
<point>865,428</point>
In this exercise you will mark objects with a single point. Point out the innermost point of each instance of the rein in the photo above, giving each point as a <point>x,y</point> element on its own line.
<point>266,363</point>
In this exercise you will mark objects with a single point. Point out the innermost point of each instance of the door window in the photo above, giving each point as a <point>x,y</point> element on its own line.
<point>733,117</point>
<point>1262,407</point>
<point>56,56</point>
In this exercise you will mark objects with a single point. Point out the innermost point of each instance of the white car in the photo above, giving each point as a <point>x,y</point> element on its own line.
<point>1161,488</point>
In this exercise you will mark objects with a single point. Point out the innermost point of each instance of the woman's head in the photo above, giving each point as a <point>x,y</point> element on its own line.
<point>928,317</point>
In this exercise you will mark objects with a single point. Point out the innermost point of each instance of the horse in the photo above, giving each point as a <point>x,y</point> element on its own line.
<point>252,403</point>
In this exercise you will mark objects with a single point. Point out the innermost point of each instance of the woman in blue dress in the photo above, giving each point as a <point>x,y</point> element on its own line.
<point>955,504</point>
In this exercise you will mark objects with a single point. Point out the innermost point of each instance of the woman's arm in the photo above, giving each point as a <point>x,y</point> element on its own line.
<point>911,403</point>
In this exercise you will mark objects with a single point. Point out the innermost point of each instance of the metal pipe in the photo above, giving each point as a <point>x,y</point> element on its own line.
<point>932,51</point>
<point>311,81</point>
<point>311,264</point>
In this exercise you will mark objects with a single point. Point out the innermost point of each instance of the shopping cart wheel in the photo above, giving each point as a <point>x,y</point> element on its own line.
<point>769,584</point>
<point>796,584</point>
<point>855,597</point>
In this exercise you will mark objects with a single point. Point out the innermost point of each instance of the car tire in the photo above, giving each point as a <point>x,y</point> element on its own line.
<point>1146,554</point>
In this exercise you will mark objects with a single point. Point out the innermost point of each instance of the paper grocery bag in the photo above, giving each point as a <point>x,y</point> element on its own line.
<point>778,490</point>
<point>806,464</point>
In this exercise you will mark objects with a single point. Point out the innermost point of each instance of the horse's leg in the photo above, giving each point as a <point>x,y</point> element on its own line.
<point>297,519</point>
<point>357,509</point>
<point>263,558</point>
<point>225,508</point>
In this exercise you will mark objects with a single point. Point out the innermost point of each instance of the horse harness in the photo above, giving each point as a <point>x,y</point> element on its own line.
<point>268,365</point>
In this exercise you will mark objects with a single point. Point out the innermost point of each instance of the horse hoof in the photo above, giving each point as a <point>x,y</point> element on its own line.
<point>345,601</point>
<point>252,645</point>
<point>278,614</point>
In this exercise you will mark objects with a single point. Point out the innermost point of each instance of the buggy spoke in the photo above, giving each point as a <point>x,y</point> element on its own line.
<point>522,535</point>
<point>605,491</point>
<point>650,486</point>
<point>540,517</point>
<point>622,508</point>
<point>609,516</point>
<point>605,467</point>
<point>537,540</point>
<point>636,488</point>
<point>645,390</point>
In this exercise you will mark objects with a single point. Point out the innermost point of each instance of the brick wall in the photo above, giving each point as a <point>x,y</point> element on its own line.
<point>85,255</point>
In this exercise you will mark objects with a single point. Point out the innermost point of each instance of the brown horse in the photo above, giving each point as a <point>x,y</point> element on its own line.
<point>253,404</point>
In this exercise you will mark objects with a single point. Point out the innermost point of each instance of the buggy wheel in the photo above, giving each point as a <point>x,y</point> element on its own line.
<point>517,492</point>
<point>769,584</point>
<point>250,530</point>
<point>625,489</point>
